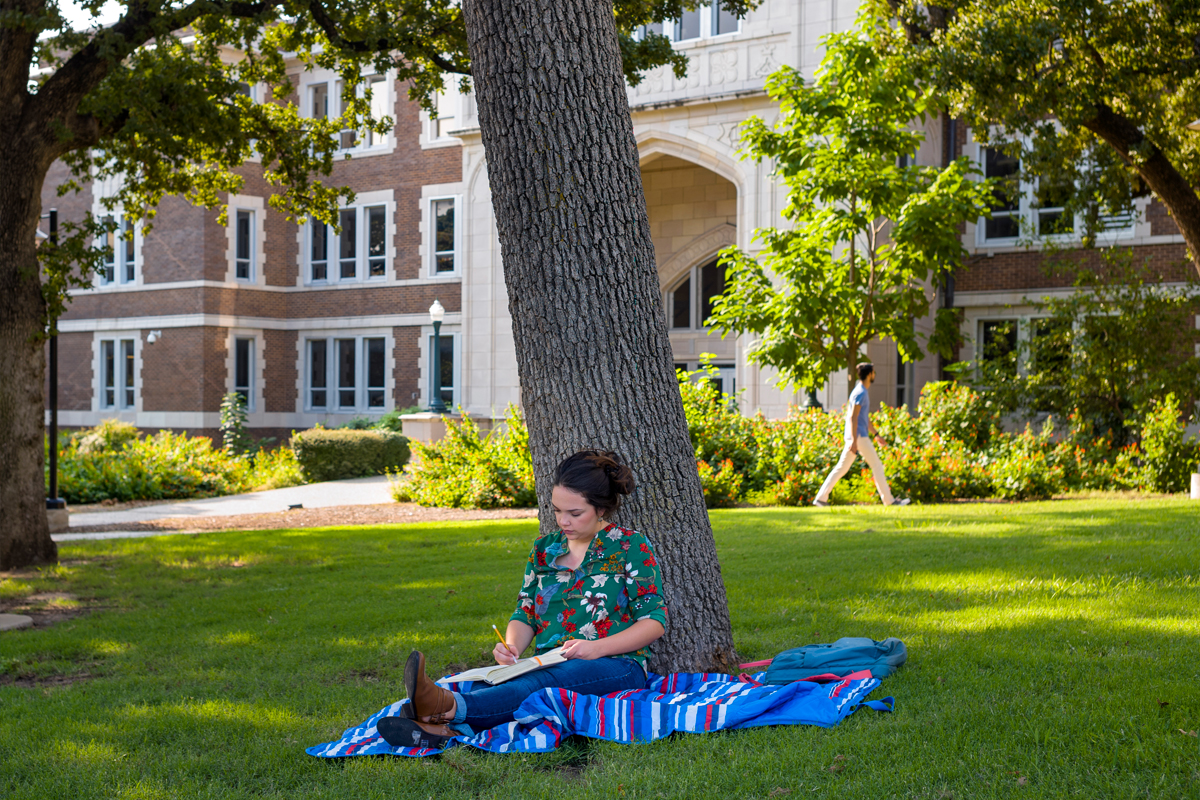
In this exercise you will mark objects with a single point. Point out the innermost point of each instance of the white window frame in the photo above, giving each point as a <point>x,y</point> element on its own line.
<point>694,297</point>
<point>120,253</point>
<point>365,142</point>
<point>256,206</point>
<point>127,393</point>
<point>427,364</point>
<point>431,236</point>
<point>1028,218</point>
<point>708,23</point>
<point>257,384</point>
<point>361,389</point>
<point>366,203</point>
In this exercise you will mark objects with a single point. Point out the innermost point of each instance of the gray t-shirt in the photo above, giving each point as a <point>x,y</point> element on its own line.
<point>858,397</point>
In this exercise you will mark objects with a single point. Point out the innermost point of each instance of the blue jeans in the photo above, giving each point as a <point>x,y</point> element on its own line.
<point>489,706</point>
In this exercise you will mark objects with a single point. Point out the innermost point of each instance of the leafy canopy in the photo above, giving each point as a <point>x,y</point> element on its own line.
<point>870,231</point>
<point>156,104</point>
<point>1070,84</point>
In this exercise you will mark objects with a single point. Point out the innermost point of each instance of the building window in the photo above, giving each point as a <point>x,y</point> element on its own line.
<point>902,382</point>
<point>445,238</point>
<point>244,245</point>
<point>120,260</point>
<point>1035,207</point>
<point>448,103</point>
<point>243,370</point>
<point>326,98</point>
<point>361,246</point>
<point>357,371</point>
<point>706,20</point>
<point>690,302</point>
<point>117,369</point>
<point>449,382</point>
<point>998,338</point>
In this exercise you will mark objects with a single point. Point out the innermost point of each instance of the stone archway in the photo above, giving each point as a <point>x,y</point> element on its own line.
<point>693,214</point>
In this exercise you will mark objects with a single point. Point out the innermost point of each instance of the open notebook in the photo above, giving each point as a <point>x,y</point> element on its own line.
<point>506,672</point>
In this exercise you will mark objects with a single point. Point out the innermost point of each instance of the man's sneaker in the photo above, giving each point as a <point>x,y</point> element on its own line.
<point>903,502</point>
<point>820,503</point>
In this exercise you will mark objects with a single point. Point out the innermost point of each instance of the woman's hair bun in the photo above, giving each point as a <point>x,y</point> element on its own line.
<point>601,476</point>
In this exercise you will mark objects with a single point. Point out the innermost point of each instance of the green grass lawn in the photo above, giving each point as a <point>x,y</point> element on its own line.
<point>1054,651</point>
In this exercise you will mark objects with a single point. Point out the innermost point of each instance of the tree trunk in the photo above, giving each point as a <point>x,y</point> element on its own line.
<point>24,534</point>
<point>593,355</point>
<point>1179,196</point>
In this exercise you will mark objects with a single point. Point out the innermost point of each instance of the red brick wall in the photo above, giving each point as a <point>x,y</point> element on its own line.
<point>185,370</point>
<point>279,370</point>
<point>183,244</point>
<point>76,378</point>
<point>407,376</point>
<point>1031,269</point>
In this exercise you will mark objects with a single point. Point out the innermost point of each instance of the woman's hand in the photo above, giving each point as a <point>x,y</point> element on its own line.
<point>584,649</point>
<point>503,654</point>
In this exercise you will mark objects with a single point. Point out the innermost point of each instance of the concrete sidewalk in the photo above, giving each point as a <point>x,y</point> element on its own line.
<point>356,492</point>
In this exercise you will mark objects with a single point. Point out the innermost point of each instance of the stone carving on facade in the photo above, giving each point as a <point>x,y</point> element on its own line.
<point>703,246</point>
<point>766,61</point>
<point>723,66</point>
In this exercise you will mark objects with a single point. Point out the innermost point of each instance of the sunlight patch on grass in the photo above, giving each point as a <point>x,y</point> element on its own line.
<point>10,589</point>
<point>91,753</point>
<point>234,639</point>
<point>107,647</point>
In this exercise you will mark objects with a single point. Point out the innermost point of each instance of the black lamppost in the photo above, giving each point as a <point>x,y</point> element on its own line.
<point>811,401</point>
<point>53,501</point>
<point>436,314</point>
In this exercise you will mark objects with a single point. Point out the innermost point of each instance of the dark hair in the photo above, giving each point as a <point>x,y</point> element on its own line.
<point>598,475</point>
<point>865,369</point>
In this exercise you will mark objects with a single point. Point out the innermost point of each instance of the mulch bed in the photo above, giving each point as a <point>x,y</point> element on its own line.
<point>381,514</point>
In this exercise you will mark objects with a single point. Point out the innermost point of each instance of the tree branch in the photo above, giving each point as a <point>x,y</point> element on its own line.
<point>329,27</point>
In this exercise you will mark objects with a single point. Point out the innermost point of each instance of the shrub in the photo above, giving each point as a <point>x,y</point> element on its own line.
<point>955,411</point>
<point>807,440</point>
<point>722,486</point>
<point>235,440</point>
<point>164,466</point>
<point>330,455</point>
<point>467,470</point>
<point>275,469</point>
<point>799,488</point>
<point>1022,469</point>
<point>111,434</point>
<point>1167,458</point>
<point>718,431</point>
<point>934,471</point>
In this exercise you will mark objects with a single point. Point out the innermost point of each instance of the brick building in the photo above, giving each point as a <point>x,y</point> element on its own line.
<point>317,327</point>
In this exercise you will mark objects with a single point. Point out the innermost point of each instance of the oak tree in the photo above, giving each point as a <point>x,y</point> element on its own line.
<point>158,101</point>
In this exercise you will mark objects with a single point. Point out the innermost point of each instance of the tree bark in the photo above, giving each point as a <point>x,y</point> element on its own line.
<point>592,350</point>
<point>1180,198</point>
<point>24,533</point>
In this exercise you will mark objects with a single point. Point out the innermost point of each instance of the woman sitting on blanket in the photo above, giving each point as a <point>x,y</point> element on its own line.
<point>590,587</point>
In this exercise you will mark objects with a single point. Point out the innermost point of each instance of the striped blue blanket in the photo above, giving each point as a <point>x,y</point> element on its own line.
<point>675,703</point>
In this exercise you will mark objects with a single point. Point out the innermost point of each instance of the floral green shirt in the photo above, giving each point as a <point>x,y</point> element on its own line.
<point>617,584</point>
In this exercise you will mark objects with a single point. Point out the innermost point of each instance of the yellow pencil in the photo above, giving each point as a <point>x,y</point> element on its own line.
<point>501,638</point>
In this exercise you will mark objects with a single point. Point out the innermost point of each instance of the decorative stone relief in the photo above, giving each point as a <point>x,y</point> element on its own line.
<point>729,134</point>
<point>723,66</point>
<point>766,61</point>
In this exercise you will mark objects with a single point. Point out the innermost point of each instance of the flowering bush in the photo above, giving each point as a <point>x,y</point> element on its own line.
<point>1023,468</point>
<point>1167,458</point>
<point>955,411</point>
<point>936,471</point>
<point>723,486</point>
<point>718,431</point>
<point>798,488</point>
<point>468,470</point>
<point>807,440</point>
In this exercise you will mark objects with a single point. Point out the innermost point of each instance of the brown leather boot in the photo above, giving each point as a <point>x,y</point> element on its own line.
<point>400,732</point>
<point>426,698</point>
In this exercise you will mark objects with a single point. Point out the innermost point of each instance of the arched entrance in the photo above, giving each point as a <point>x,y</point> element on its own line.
<point>693,215</point>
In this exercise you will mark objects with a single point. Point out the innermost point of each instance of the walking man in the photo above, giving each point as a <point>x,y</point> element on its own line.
<point>859,431</point>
